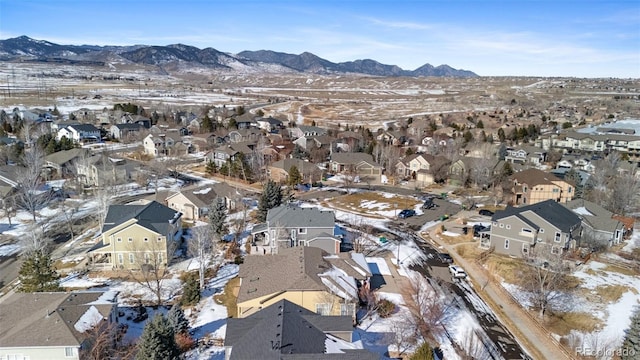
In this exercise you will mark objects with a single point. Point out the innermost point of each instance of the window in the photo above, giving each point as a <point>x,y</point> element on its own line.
<point>146,239</point>
<point>130,239</point>
<point>525,248</point>
<point>323,309</point>
<point>501,226</point>
<point>120,259</point>
<point>506,243</point>
<point>346,309</point>
<point>69,352</point>
<point>525,230</point>
<point>555,190</point>
<point>302,231</point>
<point>147,258</point>
<point>132,258</point>
<point>541,230</point>
<point>159,238</point>
<point>558,237</point>
<point>555,250</point>
<point>119,239</point>
<point>159,258</point>
<point>569,191</point>
<point>508,226</point>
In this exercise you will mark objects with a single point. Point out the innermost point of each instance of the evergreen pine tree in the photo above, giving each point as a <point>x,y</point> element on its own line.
<point>218,216</point>
<point>190,290</point>
<point>207,124</point>
<point>631,344</point>
<point>158,341</point>
<point>211,167</point>
<point>37,274</point>
<point>295,177</point>
<point>178,320</point>
<point>271,197</point>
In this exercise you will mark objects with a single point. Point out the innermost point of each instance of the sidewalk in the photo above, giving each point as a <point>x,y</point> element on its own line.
<point>527,331</point>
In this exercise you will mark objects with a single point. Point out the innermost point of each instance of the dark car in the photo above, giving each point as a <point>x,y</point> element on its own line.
<point>477,229</point>
<point>485,212</point>
<point>445,258</point>
<point>429,204</point>
<point>465,230</point>
<point>406,213</point>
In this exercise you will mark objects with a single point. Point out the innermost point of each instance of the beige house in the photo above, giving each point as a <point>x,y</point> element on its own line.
<point>195,203</point>
<point>357,164</point>
<point>279,170</point>
<point>306,276</point>
<point>54,325</point>
<point>533,186</point>
<point>135,237</point>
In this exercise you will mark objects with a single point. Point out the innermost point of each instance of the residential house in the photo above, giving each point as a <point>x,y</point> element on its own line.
<point>62,163</point>
<point>291,226</point>
<point>9,178</point>
<point>539,229</point>
<point>594,143</point>
<point>79,133</point>
<point>357,164</point>
<point>125,131</point>
<point>526,155</point>
<point>306,276</point>
<point>269,124</point>
<point>137,236</point>
<point>286,330</point>
<point>245,135</point>
<point>304,130</point>
<point>599,227</point>
<point>313,142</point>
<point>100,170</point>
<point>279,170</point>
<point>53,325</point>
<point>532,186</point>
<point>167,144</point>
<point>225,153</point>
<point>348,141</point>
<point>195,203</point>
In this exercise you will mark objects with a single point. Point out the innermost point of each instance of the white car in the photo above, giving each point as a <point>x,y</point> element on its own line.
<point>457,272</point>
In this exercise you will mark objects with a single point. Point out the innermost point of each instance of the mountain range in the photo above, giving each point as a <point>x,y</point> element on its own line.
<point>25,48</point>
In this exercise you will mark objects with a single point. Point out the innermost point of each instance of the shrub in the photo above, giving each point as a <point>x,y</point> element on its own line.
<point>385,308</point>
<point>424,352</point>
<point>185,342</point>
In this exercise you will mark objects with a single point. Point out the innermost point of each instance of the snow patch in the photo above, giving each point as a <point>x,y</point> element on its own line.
<point>88,320</point>
<point>203,191</point>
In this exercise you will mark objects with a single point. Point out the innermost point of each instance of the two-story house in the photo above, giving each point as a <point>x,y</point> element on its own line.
<point>291,226</point>
<point>53,325</point>
<point>269,124</point>
<point>168,144</point>
<point>305,130</point>
<point>526,155</point>
<point>79,133</point>
<point>307,276</point>
<point>137,236</point>
<point>100,170</point>
<point>599,226</point>
<point>125,131</point>
<point>356,164</point>
<point>535,230</point>
<point>225,153</point>
<point>532,186</point>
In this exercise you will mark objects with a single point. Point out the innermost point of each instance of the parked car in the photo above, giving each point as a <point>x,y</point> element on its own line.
<point>406,213</point>
<point>429,204</point>
<point>478,228</point>
<point>457,272</point>
<point>485,212</point>
<point>445,258</point>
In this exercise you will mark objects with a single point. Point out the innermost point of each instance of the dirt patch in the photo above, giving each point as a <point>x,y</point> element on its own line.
<point>370,201</point>
<point>620,270</point>
<point>612,293</point>
<point>505,268</point>
<point>229,297</point>
<point>563,323</point>
<point>469,251</point>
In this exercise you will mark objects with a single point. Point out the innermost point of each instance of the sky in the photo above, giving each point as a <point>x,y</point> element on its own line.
<point>578,38</point>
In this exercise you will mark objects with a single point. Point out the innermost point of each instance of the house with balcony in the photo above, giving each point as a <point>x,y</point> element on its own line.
<point>542,229</point>
<point>291,226</point>
<point>307,276</point>
<point>135,237</point>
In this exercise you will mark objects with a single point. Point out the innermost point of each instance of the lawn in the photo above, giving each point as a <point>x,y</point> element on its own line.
<point>375,203</point>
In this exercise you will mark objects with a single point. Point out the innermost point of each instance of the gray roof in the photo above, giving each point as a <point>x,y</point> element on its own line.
<point>600,218</point>
<point>48,319</point>
<point>293,216</point>
<point>554,213</point>
<point>299,332</point>
<point>84,127</point>
<point>153,216</point>
<point>305,167</point>
<point>64,156</point>
<point>129,126</point>
<point>203,196</point>
<point>264,274</point>
<point>352,158</point>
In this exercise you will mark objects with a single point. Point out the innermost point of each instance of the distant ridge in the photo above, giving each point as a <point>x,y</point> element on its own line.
<point>26,48</point>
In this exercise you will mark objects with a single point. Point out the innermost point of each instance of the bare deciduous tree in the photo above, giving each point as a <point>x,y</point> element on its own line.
<point>150,265</point>
<point>201,248</point>
<point>426,306</point>
<point>35,239</point>
<point>103,342</point>
<point>30,193</point>
<point>402,334</point>
<point>547,281</point>
<point>69,209</point>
